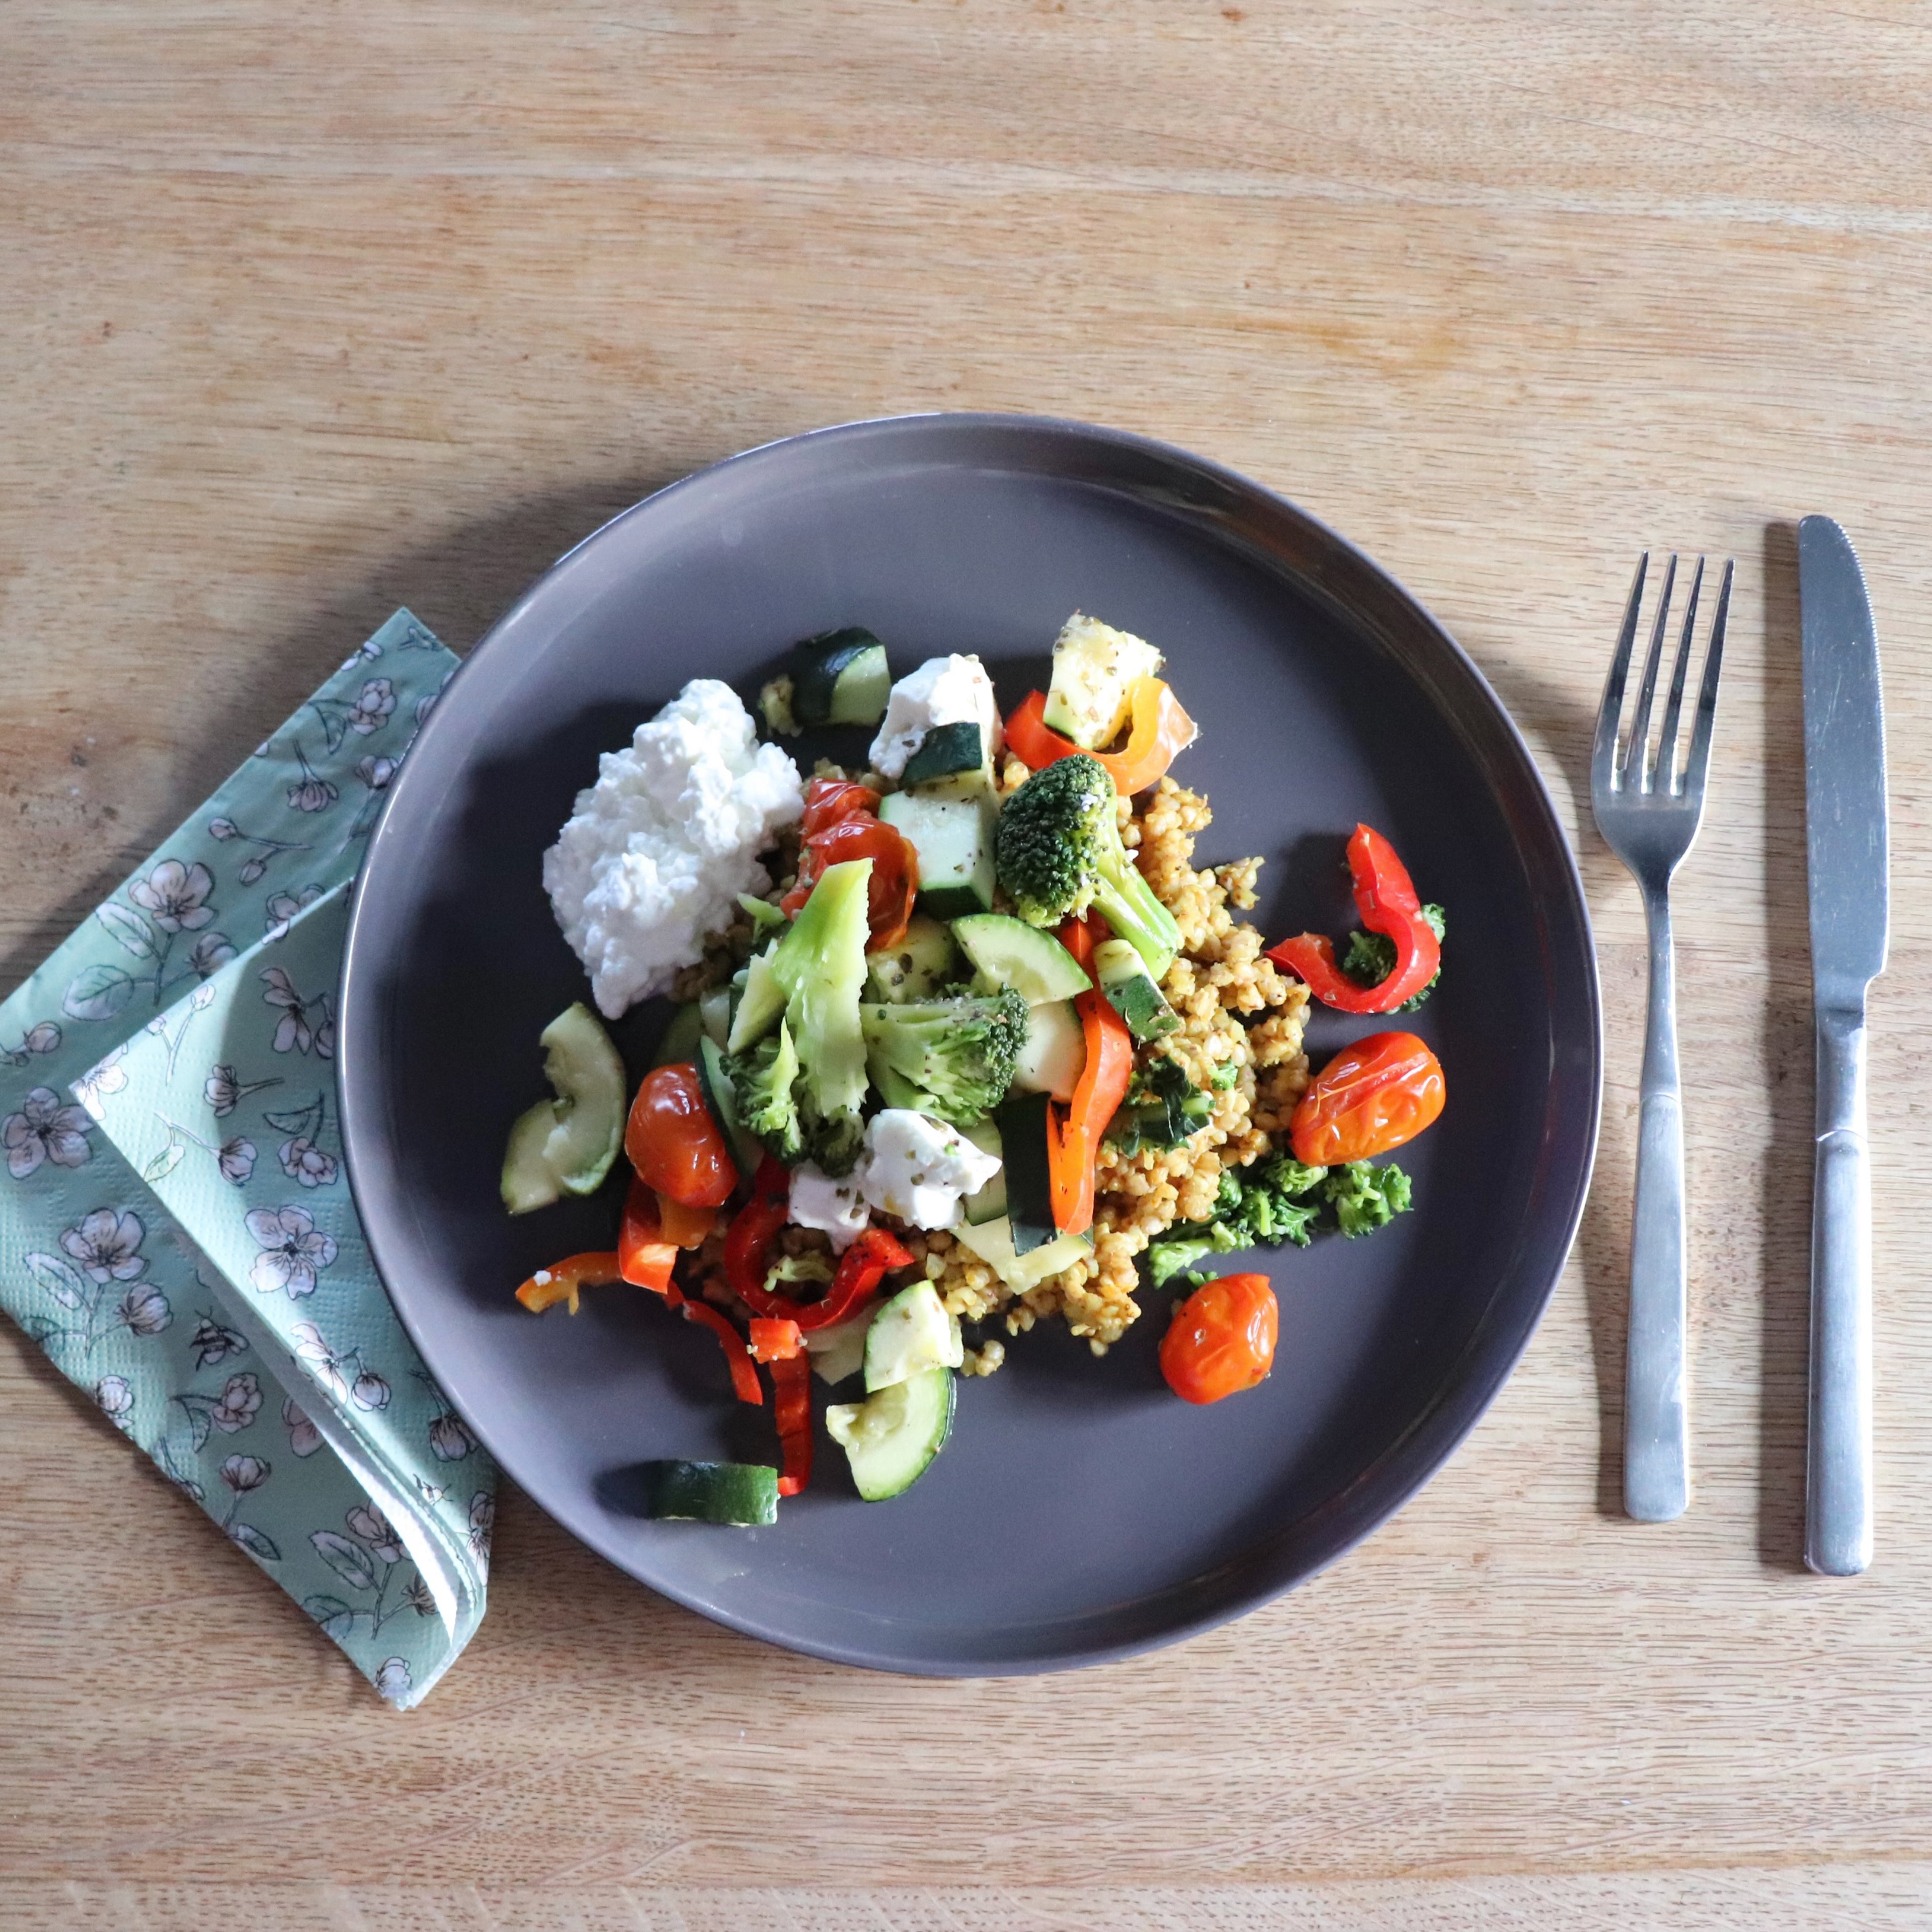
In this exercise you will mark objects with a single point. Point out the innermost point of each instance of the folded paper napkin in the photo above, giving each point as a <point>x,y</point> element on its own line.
<point>176,1227</point>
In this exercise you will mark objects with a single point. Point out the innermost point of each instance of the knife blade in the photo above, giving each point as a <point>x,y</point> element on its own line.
<point>1847,859</point>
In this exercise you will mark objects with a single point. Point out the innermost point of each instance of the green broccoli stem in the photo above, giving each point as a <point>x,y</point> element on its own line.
<point>1127,903</point>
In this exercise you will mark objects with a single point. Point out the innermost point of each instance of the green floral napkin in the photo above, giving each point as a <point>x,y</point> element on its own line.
<point>176,1227</point>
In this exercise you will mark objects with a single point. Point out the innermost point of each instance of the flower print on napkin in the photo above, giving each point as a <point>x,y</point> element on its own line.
<point>161,1089</point>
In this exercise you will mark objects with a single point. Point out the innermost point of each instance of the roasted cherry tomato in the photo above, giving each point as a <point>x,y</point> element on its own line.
<point>827,801</point>
<point>894,873</point>
<point>1222,1339</point>
<point>674,1144</point>
<point>1372,1097</point>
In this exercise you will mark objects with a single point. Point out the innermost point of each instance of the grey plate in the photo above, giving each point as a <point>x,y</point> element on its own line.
<point>1080,1512</point>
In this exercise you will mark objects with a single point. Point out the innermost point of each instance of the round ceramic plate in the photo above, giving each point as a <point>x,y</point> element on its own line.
<point>1079,1511</point>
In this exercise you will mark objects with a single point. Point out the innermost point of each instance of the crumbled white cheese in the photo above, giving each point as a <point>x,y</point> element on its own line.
<point>833,1206</point>
<point>953,690</point>
<point>919,1168</point>
<point>658,850</point>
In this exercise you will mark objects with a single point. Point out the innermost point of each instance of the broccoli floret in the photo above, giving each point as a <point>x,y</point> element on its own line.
<point>1370,958</point>
<point>819,965</point>
<point>1057,851</point>
<point>1366,1198</point>
<point>835,1140</point>
<point>1177,1255</point>
<point>761,1081</point>
<point>957,1055</point>
<point>1163,1108</point>
<point>1287,1175</point>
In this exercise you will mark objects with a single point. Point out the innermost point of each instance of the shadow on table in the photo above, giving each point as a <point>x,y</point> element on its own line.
<point>1561,729</point>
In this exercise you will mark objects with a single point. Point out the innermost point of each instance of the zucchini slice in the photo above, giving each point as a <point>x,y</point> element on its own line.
<point>910,1333</point>
<point>744,1495</point>
<point>952,761</point>
<point>1055,1054</point>
<point>1095,668</point>
<point>840,677</point>
<point>989,1202</point>
<point>1012,953</point>
<point>921,963</point>
<point>994,1244</point>
<point>954,839</point>
<point>1024,1123</point>
<point>1123,976</point>
<point>566,1145</point>
<point>890,1438</point>
<point>680,1037</point>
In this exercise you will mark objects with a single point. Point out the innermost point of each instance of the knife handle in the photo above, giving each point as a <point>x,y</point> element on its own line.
<point>1838,1449</point>
<point>1657,1447</point>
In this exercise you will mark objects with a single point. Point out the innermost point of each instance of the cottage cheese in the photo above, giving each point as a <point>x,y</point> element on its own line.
<point>834,1207</point>
<point>657,851</point>
<point>919,1168</point>
<point>943,691</point>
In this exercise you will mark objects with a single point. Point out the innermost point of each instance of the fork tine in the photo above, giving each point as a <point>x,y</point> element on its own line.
<point>1707,695</point>
<point>1667,736</point>
<point>1603,752</point>
<point>1637,752</point>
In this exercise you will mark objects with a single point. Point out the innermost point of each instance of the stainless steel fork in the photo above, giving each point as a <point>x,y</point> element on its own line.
<point>1648,810</point>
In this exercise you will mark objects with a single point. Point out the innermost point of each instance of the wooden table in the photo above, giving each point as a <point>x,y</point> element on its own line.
<point>309,313</point>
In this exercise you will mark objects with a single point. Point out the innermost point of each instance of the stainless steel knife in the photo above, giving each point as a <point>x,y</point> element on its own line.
<point>1846,855</point>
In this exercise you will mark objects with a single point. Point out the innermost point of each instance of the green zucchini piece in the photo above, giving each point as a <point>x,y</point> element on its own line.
<point>714,1012</point>
<point>922,963</point>
<point>762,914</point>
<point>680,1037</point>
<point>1095,669</point>
<point>989,1202</point>
<point>954,839</point>
<point>890,1438</point>
<point>1123,977</point>
<point>946,752</point>
<point>1009,952</point>
<point>744,1495</point>
<point>1054,1055</point>
<point>1024,1123</point>
<point>840,677</point>
<point>566,1145</point>
<point>912,1333</point>
<point>839,1351</point>
<point>994,1244</point>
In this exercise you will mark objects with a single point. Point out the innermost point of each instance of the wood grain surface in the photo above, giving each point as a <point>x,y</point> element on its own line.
<point>311,312</point>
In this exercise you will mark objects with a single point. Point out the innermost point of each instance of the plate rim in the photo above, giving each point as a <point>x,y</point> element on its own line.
<point>1415,1455</point>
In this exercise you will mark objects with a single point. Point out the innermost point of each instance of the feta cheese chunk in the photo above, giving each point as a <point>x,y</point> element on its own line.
<point>919,1168</point>
<point>943,691</point>
<point>832,1206</point>
<point>657,851</point>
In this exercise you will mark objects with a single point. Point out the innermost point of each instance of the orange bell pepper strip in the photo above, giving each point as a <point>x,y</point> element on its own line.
<point>774,1339</point>
<point>791,1409</point>
<point>1073,1146</point>
<point>645,1258</point>
<point>1080,936</point>
<point>684,1227</point>
<point>745,1382</point>
<point>1160,730</point>
<point>561,1281</point>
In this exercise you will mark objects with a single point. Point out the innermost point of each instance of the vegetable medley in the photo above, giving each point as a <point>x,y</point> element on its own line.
<point>958,1011</point>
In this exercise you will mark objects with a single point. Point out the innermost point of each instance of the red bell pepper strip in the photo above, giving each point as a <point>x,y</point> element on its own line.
<point>791,1409</point>
<point>1386,902</point>
<point>744,1375</point>
<point>747,1247</point>
<point>562,1279</point>
<point>874,1254</point>
<point>1073,1146</point>
<point>644,1257</point>
<point>1159,732</point>
<point>774,1339</point>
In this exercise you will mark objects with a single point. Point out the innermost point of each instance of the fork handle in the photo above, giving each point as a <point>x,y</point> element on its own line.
<point>1656,1452</point>
<point>1838,1446</point>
